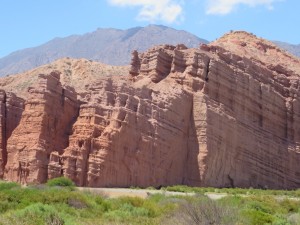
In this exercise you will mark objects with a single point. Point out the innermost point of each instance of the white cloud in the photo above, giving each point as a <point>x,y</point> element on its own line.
<point>223,7</point>
<point>155,10</point>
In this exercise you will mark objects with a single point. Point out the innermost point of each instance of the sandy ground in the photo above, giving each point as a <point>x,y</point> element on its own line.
<point>120,192</point>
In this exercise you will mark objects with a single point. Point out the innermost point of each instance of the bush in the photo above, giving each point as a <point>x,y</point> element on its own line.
<point>256,217</point>
<point>78,201</point>
<point>203,211</point>
<point>290,206</point>
<point>36,214</point>
<point>5,206</point>
<point>294,219</point>
<point>61,182</point>
<point>8,185</point>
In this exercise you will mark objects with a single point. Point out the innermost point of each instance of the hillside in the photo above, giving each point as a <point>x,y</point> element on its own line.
<point>110,46</point>
<point>77,73</point>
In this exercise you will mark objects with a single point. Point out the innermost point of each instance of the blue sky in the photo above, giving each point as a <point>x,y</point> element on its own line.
<point>28,23</point>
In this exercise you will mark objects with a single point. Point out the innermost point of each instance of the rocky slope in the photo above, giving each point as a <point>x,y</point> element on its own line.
<point>224,115</point>
<point>112,46</point>
<point>77,73</point>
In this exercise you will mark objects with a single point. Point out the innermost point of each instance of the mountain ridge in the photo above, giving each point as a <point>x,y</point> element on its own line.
<point>292,48</point>
<point>107,45</point>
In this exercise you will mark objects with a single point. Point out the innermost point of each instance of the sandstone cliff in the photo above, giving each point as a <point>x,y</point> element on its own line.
<point>222,115</point>
<point>11,108</point>
<point>44,127</point>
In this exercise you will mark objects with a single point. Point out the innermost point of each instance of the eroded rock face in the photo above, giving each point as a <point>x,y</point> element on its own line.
<point>11,108</point>
<point>214,116</point>
<point>128,136</point>
<point>252,126</point>
<point>44,127</point>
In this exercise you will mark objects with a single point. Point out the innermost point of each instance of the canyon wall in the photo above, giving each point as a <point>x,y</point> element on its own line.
<point>223,115</point>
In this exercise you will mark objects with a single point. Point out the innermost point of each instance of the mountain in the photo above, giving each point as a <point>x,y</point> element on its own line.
<point>224,114</point>
<point>110,46</point>
<point>293,49</point>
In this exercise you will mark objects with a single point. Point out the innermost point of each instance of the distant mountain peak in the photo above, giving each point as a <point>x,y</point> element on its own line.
<point>107,45</point>
<point>293,49</point>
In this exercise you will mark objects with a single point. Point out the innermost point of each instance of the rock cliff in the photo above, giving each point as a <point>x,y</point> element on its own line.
<point>44,127</point>
<point>225,114</point>
<point>11,108</point>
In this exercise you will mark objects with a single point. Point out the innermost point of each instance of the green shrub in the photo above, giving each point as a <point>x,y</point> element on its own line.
<point>103,204</point>
<point>182,188</point>
<point>280,220</point>
<point>37,214</point>
<point>256,217</point>
<point>78,201</point>
<point>127,212</point>
<point>291,206</point>
<point>8,185</point>
<point>60,182</point>
<point>134,201</point>
<point>5,206</point>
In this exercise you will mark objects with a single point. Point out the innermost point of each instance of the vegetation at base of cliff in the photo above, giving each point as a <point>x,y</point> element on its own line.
<point>57,205</point>
<point>232,191</point>
<point>60,182</point>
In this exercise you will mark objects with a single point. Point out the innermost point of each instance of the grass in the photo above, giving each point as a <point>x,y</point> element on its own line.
<point>59,204</point>
<point>233,191</point>
<point>53,204</point>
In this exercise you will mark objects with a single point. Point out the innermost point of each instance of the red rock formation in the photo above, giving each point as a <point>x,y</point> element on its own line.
<point>224,115</point>
<point>11,108</point>
<point>44,127</point>
<point>128,136</point>
<point>135,64</point>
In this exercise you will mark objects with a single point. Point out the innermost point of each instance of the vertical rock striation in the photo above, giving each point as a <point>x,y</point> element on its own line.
<point>127,136</point>
<point>11,108</point>
<point>44,127</point>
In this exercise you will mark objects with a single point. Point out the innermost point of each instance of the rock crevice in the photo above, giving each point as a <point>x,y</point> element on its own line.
<point>11,108</point>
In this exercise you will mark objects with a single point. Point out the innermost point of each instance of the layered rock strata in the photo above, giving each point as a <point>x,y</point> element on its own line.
<point>44,127</point>
<point>224,115</point>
